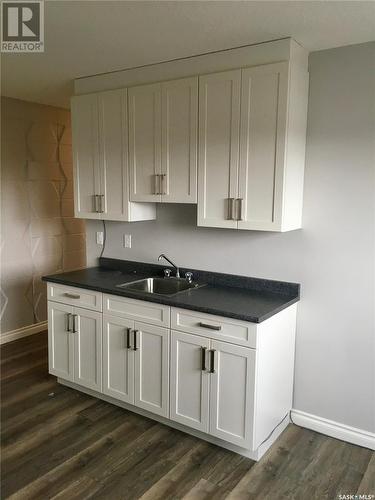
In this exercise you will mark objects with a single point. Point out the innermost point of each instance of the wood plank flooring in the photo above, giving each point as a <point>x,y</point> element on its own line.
<point>59,443</point>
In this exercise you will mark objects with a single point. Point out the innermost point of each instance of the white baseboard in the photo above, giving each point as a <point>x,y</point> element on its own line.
<point>334,429</point>
<point>25,331</point>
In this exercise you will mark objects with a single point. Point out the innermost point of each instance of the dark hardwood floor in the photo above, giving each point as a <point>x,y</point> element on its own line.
<point>59,443</point>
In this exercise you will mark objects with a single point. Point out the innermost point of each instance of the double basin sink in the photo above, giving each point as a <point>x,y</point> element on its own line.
<point>160,286</point>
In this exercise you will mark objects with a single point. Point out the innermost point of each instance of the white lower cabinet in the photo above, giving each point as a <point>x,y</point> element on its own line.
<point>152,368</point>
<point>222,378</point>
<point>60,341</point>
<point>75,344</point>
<point>212,387</point>
<point>118,358</point>
<point>87,334</point>
<point>189,380</point>
<point>232,393</point>
<point>136,363</point>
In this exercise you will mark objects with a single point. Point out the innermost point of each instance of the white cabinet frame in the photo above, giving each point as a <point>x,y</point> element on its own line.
<point>74,343</point>
<point>212,385</point>
<point>219,123</point>
<point>163,121</point>
<point>189,382</point>
<point>100,154</point>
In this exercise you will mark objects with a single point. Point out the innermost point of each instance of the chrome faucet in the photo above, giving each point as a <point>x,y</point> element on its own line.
<point>162,256</point>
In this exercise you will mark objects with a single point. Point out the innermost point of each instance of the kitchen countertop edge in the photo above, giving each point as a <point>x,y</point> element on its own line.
<point>168,301</point>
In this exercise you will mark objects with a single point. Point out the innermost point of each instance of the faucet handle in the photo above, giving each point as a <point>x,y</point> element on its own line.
<point>167,273</point>
<point>189,277</point>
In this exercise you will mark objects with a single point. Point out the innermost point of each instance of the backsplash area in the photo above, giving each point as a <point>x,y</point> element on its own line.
<point>39,234</point>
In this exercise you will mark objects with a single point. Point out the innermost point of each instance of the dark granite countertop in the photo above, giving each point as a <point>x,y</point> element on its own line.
<point>240,297</point>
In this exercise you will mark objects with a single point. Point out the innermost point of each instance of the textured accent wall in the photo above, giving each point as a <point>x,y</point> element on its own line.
<point>39,234</point>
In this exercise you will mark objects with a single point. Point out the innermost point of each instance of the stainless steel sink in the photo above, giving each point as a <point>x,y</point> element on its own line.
<point>160,286</point>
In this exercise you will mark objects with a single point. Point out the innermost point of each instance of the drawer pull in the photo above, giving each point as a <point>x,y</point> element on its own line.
<point>203,366</point>
<point>72,295</point>
<point>210,327</point>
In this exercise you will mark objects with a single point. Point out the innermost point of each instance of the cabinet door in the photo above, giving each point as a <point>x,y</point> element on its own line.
<point>189,380</point>
<point>232,393</point>
<point>86,155</point>
<point>179,141</point>
<point>118,358</point>
<point>262,145</point>
<point>219,122</point>
<point>152,368</point>
<point>145,142</point>
<point>88,348</point>
<point>60,340</point>
<point>113,133</point>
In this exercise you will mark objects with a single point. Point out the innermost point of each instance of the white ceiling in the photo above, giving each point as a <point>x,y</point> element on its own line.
<point>89,37</point>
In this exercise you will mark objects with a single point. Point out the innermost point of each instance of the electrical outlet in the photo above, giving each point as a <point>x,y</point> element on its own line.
<point>127,240</point>
<point>99,238</point>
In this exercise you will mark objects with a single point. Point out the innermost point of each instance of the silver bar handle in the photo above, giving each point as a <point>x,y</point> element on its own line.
<point>239,211</point>
<point>157,184</point>
<point>135,348</point>
<point>74,323</point>
<point>210,327</point>
<point>101,203</point>
<point>162,183</point>
<point>72,295</point>
<point>203,359</point>
<point>68,316</point>
<point>231,207</point>
<point>212,361</point>
<point>95,202</point>
<point>128,332</point>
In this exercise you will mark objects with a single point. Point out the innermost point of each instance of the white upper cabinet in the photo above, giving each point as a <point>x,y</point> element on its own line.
<point>232,141</point>
<point>251,148</point>
<point>163,141</point>
<point>179,141</point>
<point>145,142</point>
<point>219,123</point>
<point>113,154</point>
<point>100,150</point>
<point>86,155</point>
<point>262,146</point>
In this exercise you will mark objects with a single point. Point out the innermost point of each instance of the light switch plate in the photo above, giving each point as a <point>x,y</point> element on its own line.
<point>99,238</point>
<point>127,240</point>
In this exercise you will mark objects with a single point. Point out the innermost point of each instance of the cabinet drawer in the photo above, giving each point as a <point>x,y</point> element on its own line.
<point>215,327</point>
<point>80,297</point>
<point>138,310</point>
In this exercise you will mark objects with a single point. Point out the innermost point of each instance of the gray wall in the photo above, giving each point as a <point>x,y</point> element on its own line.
<point>332,257</point>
